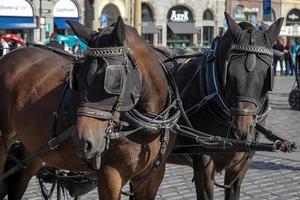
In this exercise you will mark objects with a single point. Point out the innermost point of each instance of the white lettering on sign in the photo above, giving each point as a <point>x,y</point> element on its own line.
<point>293,16</point>
<point>179,17</point>
<point>15,8</point>
<point>65,8</point>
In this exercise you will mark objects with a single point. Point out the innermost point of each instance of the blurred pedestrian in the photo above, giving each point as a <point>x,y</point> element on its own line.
<point>5,47</point>
<point>297,59</point>
<point>278,55</point>
<point>289,65</point>
<point>54,43</point>
<point>76,48</point>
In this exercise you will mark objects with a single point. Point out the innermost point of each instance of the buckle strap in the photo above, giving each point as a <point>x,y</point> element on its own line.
<point>52,145</point>
<point>252,49</point>
<point>108,51</point>
<point>82,111</point>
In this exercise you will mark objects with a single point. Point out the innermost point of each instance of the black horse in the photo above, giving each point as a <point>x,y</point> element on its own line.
<point>225,93</point>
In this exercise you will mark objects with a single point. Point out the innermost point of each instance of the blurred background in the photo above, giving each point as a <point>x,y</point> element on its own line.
<point>185,26</point>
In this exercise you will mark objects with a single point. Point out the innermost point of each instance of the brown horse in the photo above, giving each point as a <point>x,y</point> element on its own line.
<point>31,82</point>
<point>231,81</point>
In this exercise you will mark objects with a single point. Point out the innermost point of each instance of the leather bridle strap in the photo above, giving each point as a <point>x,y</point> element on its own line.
<point>52,145</point>
<point>252,49</point>
<point>84,111</point>
<point>107,51</point>
<point>244,112</point>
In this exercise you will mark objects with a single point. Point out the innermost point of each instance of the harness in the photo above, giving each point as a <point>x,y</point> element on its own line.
<point>161,123</point>
<point>125,96</point>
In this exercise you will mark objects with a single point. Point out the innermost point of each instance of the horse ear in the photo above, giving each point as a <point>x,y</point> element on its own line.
<point>83,32</point>
<point>118,32</point>
<point>233,27</point>
<point>273,31</point>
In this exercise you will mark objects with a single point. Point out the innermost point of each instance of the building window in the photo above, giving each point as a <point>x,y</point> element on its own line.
<point>199,35</point>
<point>208,35</point>
<point>160,28</point>
<point>147,14</point>
<point>109,15</point>
<point>293,17</point>
<point>180,27</point>
<point>207,15</point>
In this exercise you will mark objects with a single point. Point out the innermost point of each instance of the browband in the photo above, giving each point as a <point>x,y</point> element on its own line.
<point>106,51</point>
<point>252,49</point>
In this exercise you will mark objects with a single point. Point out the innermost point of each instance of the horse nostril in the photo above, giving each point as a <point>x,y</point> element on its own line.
<point>87,147</point>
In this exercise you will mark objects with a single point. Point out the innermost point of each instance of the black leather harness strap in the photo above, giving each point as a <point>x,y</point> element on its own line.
<point>52,144</point>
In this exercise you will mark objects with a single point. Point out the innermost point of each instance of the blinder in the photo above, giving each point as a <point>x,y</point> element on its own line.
<point>114,79</point>
<point>72,77</point>
<point>251,52</point>
<point>117,79</point>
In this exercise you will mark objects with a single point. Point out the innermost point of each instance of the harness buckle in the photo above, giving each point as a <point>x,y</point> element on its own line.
<point>52,144</point>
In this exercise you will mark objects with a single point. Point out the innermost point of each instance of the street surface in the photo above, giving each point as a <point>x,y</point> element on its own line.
<point>272,175</point>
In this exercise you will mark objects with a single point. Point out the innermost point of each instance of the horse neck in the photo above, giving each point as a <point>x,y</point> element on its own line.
<point>154,84</point>
<point>186,73</point>
<point>222,53</point>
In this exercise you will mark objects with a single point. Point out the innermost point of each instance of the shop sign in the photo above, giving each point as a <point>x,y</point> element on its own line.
<point>65,8</point>
<point>18,8</point>
<point>179,17</point>
<point>46,11</point>
<point>180,14</point>
<point>293,16</point>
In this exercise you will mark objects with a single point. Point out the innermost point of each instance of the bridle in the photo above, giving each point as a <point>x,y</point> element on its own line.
<point>119,127</point>
<point>90,110</point>
<point>251,51</point>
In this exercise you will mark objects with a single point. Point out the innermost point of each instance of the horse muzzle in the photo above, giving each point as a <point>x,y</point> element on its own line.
<point>89,145</point>
<point>244,121</point>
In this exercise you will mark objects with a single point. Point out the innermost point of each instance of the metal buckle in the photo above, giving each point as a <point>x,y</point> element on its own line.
<point>51,144</point>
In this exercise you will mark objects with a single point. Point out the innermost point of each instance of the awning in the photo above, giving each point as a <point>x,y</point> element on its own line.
<point>61,23</point>
<point>17,23</point>
<point>149,28</point>
<point>182,27</point>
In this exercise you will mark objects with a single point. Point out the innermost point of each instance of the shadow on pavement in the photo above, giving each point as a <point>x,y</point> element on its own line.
<point>272,166</point>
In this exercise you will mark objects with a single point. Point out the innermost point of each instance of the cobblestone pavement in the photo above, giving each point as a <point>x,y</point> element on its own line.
<point>272,175</point>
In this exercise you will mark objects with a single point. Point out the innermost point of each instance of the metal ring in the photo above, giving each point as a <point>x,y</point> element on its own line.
<point>277,145</point>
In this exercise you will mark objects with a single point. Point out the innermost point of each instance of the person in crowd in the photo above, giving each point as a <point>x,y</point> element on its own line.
<point>76,48</point>
<point>12,45</point>
<point>297,59</point>
<point>4,47</point>
<point>54,43</point>
<point>278,55</point>
<point>289,65</point>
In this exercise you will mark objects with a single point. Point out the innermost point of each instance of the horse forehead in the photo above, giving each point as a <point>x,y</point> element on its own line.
<point>258,37</point>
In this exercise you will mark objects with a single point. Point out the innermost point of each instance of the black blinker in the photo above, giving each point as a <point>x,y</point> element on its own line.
<point>91,76</point>
<point>250,62</point>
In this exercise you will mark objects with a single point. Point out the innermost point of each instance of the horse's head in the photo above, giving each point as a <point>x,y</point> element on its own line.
<point>247,75</point>
<point>110,83</point>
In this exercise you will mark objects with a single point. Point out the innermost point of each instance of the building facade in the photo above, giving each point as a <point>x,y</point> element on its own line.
<point>290,10</point>
<point>252,11</point>
<point>181,23</point>
<point>35,20</point>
